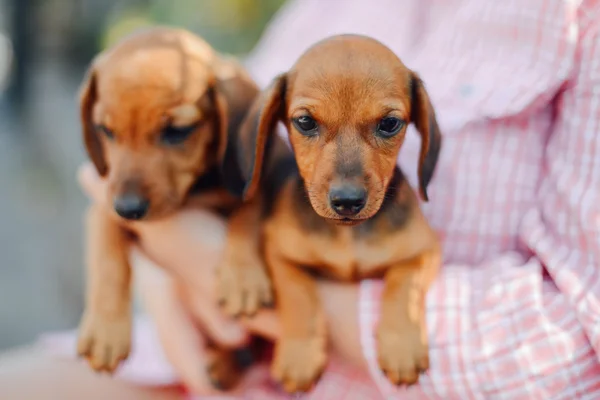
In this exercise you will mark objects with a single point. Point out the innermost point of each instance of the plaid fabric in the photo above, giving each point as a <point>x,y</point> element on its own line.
<point>515,312</point>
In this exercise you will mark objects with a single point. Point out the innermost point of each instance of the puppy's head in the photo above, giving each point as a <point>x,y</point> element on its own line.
<point>346,104</point>
<point>154,119</point>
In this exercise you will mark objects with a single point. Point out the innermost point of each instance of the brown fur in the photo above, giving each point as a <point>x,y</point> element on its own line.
<point>135,95</point>
<point>347,84</point>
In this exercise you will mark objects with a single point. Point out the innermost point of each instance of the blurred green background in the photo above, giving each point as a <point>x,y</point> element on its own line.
<point>45,46</point>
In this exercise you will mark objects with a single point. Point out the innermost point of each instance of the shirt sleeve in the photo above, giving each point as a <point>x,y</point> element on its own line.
<point>564,230</point>
<point>525,327</point>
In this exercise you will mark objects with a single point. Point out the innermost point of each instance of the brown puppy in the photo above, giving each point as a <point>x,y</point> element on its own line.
<point>157,110</point>
<point>343,209</point>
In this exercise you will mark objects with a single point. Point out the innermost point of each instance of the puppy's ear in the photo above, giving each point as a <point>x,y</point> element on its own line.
<point>87,99</point>
<point>256,130</point>
<point>233,97</point>
<point>423,116</point>
<point>221,107</point>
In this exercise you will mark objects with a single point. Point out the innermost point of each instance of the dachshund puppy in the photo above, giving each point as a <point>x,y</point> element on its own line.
<point>157,110</point>
<point>340,207</point>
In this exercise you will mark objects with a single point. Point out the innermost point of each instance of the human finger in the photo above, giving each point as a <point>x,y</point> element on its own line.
<point>182,341</point>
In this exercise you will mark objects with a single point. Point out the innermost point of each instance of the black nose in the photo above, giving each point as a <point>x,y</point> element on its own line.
<point>131,206</point>
<point>347,200</point>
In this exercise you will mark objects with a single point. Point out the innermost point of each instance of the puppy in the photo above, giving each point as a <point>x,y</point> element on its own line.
<point>157,110</point>
<point>340,207</point>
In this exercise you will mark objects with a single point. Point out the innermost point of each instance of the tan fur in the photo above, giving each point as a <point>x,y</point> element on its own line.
<point>339,254</point>
<point>347,84</point>
<point>104,334</point>
<point>133,92</point>
<point>244,289</point>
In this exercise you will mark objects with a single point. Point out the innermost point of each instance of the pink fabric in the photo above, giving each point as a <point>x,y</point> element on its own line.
<point>147,365</point>
<point>515,312</point>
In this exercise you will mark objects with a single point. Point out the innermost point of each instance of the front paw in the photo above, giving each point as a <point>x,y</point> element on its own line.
<point>298,363</point>
<point>104,342</point>
<point>244,286</point>
<point>403,353</point>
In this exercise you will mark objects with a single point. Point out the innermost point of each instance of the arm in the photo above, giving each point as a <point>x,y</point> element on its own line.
<point>502,327</point>
<point>564,229</point>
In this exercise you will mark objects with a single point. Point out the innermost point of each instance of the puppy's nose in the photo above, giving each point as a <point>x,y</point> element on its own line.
<point>347,200</point>
<point>131,206</point>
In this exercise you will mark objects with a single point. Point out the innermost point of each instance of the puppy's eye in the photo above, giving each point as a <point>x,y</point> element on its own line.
<point>105,131</point>
<point>389,126</point>
<point>173,135</point>
<point>306,125</point>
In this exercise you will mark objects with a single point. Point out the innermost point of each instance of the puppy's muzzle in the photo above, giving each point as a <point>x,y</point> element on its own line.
<point>347,200</point>
<point>131,206</point>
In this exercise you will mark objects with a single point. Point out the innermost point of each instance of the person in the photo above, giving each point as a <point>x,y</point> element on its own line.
<point>515,311</point>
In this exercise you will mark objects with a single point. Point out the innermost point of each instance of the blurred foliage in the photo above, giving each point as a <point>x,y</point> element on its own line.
<point>231,26</point>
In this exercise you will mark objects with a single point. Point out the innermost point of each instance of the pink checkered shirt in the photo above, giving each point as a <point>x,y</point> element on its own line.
<point>515,312</point>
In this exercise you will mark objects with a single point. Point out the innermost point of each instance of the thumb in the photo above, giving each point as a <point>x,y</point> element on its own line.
<point>221,328</point>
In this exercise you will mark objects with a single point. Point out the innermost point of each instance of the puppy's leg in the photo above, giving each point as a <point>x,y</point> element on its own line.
<point>105,329</point>
<point>244,285</point>
<point>402,346</point>
<point>300,353</point>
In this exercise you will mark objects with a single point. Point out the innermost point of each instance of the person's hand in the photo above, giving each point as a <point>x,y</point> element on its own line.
<point>174,271</point>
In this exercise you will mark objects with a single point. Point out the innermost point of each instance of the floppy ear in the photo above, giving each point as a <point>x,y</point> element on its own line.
<point>221,108</point>
<point>233,98</point>
<point>257,130</point>
<point>87,99</point>
<point>423,116</point>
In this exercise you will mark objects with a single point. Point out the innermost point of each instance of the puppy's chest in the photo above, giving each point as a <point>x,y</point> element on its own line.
<point>338,252</point>
<point>342,256</point>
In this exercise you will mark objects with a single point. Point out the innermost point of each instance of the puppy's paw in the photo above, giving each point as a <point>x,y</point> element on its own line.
<point>244,286</point>
<point>225,369</point>
<point>299,363</point>
<point>403,354</point>
<point>104,342</point>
